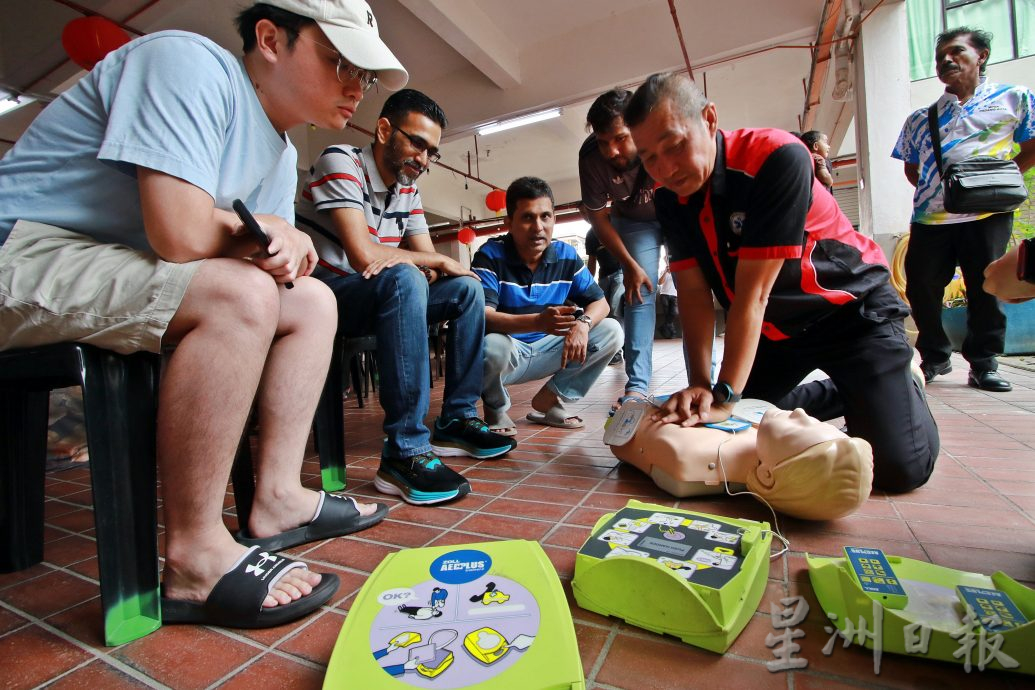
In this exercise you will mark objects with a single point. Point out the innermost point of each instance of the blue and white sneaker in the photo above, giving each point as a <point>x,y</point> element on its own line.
<point>420,479</point>
<point>469,437</point>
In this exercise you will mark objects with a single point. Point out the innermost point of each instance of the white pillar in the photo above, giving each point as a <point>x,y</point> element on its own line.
<point>882,105</point>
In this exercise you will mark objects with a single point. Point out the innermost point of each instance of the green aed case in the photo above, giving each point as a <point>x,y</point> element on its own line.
<point>695,576</point>
<point>936,599</point>
<point>486,616</point>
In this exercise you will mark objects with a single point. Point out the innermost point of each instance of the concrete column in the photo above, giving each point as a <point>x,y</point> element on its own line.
<point>882,105</point>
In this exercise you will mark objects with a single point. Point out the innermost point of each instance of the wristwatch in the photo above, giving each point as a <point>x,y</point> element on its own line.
<point>1026,261</point>
<point>586,319</point>
<point>723,393</point>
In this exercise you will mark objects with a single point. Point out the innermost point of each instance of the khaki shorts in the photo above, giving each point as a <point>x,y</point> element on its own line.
<point>59,286</point>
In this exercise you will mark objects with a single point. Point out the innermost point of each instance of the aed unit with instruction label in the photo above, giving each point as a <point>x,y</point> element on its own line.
<point>486,616</point>
<point>696,576</point>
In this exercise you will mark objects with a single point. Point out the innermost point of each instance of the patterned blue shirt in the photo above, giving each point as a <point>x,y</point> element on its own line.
<point>995,118</point>
<point>512,288</point>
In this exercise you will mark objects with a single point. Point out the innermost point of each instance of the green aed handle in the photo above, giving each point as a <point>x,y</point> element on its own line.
<point>875,576</point>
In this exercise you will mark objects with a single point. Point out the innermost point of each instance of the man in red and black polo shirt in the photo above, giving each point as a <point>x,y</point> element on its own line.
<point>744,218</point>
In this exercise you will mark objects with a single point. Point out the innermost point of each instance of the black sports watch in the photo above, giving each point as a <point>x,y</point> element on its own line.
<point>1026,261</point>
<point>723,393</point>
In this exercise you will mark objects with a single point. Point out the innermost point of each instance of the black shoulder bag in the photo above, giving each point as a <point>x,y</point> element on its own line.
<point>981,184</point>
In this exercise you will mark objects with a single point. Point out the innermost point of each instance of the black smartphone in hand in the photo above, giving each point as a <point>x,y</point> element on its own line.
<point>256,231</point>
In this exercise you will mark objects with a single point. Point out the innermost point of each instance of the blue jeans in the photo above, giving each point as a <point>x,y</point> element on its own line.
<point>508,360</point>
<point>643,241</point>
<point>396,305</point>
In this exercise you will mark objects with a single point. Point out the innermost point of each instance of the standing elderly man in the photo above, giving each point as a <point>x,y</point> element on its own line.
<point>359,205</point>
<point>544,315</point>
<point>117,230</point>
<point>745,218</point>
<point>976,117</point>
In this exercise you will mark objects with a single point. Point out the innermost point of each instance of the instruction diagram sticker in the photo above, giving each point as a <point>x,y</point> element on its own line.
<point>699,549</point>
<point>463,627</point>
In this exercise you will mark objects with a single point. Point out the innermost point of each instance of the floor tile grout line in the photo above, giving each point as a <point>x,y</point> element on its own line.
<point>309,621</point>
<point>256,659</point>
<point>104,654</point>
<point>602,655</point>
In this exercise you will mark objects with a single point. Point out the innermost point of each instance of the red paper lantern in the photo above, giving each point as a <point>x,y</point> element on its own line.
<point>465,235</point>
<point>88,39</point>
<point>496,200</point>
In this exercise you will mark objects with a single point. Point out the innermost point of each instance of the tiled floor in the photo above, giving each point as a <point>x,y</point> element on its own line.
<point>976,513</point>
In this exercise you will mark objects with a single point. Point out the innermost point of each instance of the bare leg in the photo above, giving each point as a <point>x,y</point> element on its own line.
<point>223,331</point>
<point>288,395</point>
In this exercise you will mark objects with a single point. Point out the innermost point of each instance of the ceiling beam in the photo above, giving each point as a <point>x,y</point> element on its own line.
<point>472,33</point>
<point>821,62</point>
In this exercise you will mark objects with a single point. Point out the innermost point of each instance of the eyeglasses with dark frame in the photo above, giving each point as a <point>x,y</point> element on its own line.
<point>433,153</point>
<point>346,71</point>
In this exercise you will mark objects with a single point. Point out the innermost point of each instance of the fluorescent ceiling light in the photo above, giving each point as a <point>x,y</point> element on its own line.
<point>493,127</point>
<point>11,103</point>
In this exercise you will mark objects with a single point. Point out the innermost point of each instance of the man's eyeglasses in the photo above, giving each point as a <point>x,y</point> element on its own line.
<point>346,71</point>
<point>433,155</point>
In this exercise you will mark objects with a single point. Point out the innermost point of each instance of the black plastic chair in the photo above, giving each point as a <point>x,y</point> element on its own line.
<point>356,353</point>
<point>329,424</point>
<point>120,404</point>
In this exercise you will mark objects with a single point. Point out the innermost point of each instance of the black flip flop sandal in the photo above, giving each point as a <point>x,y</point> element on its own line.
<point>236,600</point>
<point>336,517</point>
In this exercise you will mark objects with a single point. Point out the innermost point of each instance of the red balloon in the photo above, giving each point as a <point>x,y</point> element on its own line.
<point>88,39</point>
<point>496,200</point>
<point>465,235</point>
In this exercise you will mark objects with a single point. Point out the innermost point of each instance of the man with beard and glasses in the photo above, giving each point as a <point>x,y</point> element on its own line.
<point>977,118</point>
<point>610,171</point>
<point>359,206</point>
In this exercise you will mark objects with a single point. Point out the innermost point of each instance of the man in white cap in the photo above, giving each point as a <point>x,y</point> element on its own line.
<point>116,229</point>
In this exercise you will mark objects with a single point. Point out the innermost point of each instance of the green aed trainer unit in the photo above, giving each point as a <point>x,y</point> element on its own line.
<point>951,615</point>
<point>994,609</point>
<point>876,577</point>
<point>486,616</point>
<point>695,576</point>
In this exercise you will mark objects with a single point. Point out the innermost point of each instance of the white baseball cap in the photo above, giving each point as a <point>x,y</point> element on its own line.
<point>352,28</point>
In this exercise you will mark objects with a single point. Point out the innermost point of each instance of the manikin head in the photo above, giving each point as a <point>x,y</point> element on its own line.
<point>810,469</point>
<point>802,467</point>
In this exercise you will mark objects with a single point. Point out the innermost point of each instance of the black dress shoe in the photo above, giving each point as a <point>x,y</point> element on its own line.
<point>989,381</point>
<point>932,369</point>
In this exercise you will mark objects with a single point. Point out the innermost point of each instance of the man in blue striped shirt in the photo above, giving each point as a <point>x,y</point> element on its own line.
<point>544,314</point>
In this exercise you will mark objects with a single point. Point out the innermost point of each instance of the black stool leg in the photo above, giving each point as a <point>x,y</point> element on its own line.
<point>330,424</point>
<point>243,477</point>
<point>23,454</point>
<point>120,405</point>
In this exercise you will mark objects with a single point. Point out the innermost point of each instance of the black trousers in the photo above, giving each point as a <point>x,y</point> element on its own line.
<point>934,251</point>
<point>867,360</point>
